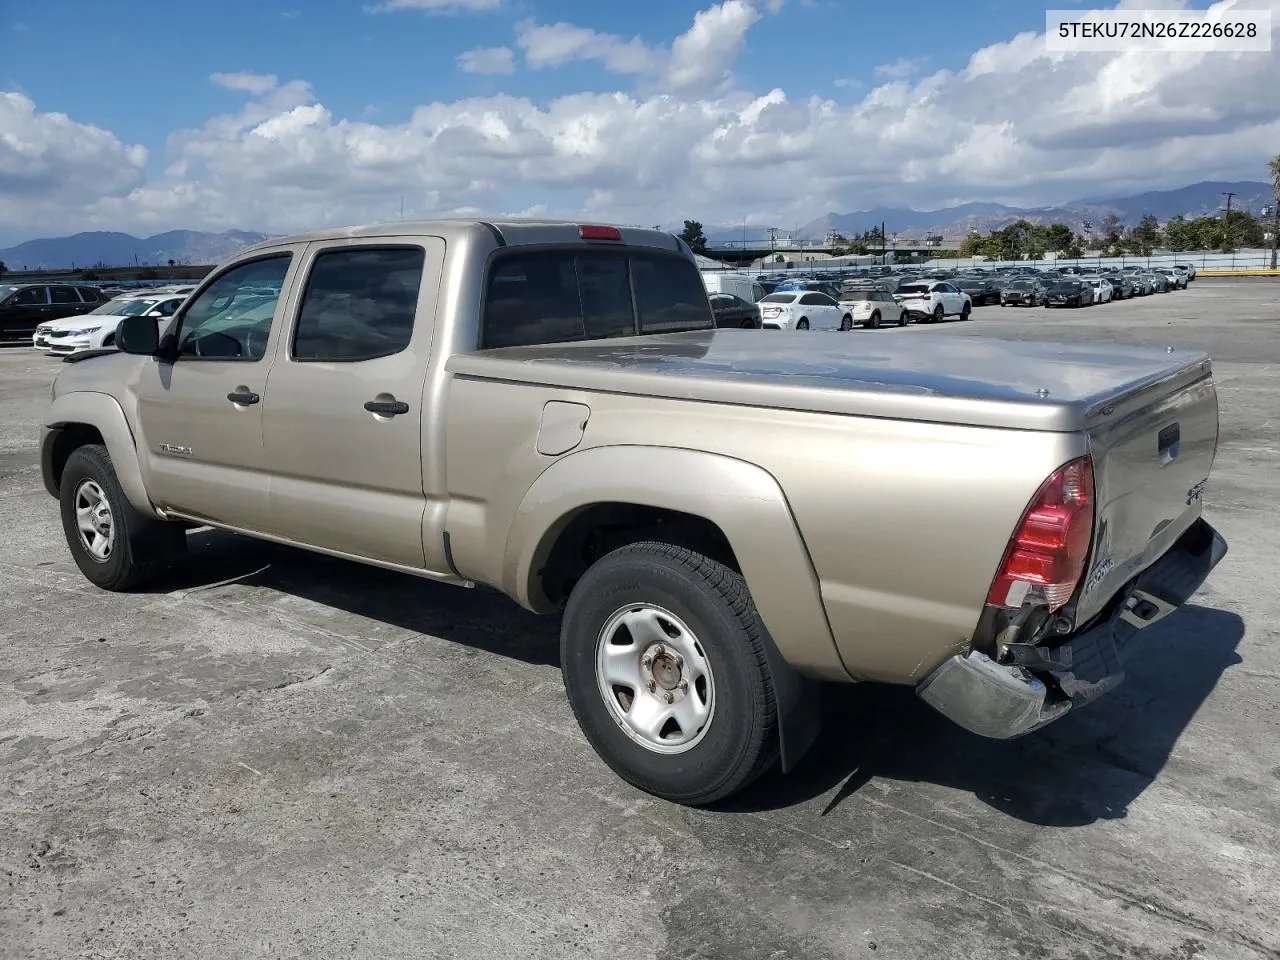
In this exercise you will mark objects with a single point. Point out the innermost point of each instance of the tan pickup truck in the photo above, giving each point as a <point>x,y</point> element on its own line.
<point>724,518</point>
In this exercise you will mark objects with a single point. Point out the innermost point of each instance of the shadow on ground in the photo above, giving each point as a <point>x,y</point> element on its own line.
<point>1088,766</point>
<point>480,618</point>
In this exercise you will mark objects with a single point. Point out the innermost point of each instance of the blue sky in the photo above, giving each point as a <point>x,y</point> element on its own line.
<point>280,114</point>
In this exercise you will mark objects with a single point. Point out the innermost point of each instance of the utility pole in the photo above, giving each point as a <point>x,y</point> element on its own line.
<point>1226,222</point>
<point>1275,229</point>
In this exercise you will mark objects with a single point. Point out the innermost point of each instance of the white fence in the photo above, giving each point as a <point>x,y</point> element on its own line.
<point>1241,260</point>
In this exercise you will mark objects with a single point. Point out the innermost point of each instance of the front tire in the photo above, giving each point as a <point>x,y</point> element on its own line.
<point>664,665</point>
<point>115,545</point>
<point>965,311</point>
<point>846,322</point>
<point>874,322</point>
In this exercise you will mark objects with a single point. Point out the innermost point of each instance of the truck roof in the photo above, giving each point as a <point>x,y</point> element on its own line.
<point>509,231</point>
<point>977,381</point>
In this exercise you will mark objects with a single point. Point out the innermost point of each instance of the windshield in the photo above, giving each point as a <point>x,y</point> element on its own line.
<point>125,307</point>
<point>1021,284</point>
<point>6,289</point>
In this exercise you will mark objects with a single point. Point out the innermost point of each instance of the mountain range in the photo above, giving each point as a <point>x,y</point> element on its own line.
<point>123,249</point>
<point>952,223</point>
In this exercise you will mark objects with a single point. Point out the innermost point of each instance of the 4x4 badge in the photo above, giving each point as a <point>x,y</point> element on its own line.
<point>1197,491</point>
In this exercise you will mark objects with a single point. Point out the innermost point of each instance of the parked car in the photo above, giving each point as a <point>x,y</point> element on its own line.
<point>1174,279</point>
<point>1033,508</point>
<point>96,330</point>
<point>1122,286</point>
<point>980,291</point>
<point>1102,289</point>
<point>1190,268</point>
<point>802,310</point>
<point>739,284</point>
<point>1022,293</point>
<point>1143,287</point>
<point>24,306</point>
<point>1068,293</point>
<point>1159,282</point>
<point>933,300</point>
<point>870,304</point>
<point>731,311</point>
<point>828,287</point>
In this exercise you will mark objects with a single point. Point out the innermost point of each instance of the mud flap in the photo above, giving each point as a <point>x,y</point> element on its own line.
<point>798,701</point>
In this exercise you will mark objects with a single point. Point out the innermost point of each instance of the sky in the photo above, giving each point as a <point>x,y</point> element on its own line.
<point>284,115</point>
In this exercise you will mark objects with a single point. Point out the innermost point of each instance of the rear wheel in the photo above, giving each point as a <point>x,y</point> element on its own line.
<point>874,322</point>
<point>664,667</point>
<point>114,544</point>
<point>748,325</point>
<point>802,324</point>
<point>902,318</point>
<point>965,311</point>
<point>938,314</point>
<point>846,322</point>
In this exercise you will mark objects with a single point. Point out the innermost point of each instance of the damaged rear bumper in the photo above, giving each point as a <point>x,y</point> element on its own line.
<point>1042,683</point>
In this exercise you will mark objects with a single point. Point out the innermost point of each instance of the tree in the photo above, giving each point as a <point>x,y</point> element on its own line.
<point>1058,237</point>
<point>1111,230</point>
<point>1179,234</point>
<point>1273,168</point>
<point>3,268</point>
<point>1145,237</point>
<point>693,236</point>
<point>172,262</point>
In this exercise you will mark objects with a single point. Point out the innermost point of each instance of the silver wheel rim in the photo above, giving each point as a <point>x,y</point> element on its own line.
<point>655,678</point>
<point>94,521</point>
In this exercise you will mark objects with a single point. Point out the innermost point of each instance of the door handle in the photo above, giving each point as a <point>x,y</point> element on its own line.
<point>386,408</point>
<point>243,397</point>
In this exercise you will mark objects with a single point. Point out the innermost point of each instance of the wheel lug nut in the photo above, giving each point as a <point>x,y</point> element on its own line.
<point>659,650</point>
<point>679,662</point>
<point>652,686</point>
<point>670,697</point>
<point>684,686</point>
<point>647,660</point>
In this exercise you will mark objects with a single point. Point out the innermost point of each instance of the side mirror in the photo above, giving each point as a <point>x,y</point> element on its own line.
<point>138,335</point>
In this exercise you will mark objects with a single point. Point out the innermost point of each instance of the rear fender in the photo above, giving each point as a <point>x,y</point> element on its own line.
<point>748,506</point>
<point>102,412</point>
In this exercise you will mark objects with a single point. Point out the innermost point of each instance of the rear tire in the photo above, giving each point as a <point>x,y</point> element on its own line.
<point>802,324</point>
<point>115,545</point>
<point>965,311</point>
<point>846,322</point>
<point>938,314</point>
<point>874,322</point>
<point>693,616</point>
<point>902,318</point>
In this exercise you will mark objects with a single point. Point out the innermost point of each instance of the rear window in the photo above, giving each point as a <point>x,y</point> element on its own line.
<point>914,288</point>
<point>554,296</point>
<point>780,298</point>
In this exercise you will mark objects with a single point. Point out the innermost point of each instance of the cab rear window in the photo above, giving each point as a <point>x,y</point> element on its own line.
<point>555,296</point>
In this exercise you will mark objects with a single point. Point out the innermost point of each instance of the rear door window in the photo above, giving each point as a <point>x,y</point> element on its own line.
<point>63,295</point>
<point>359,304</point>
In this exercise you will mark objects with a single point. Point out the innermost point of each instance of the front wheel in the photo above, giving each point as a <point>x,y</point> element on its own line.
<point>965,311</point>
<point>665,669</point>
<point>902,318</point>
<point>802,324</point>
<point>874,322</point>
<point>114,544</point>
<point>846,322</point>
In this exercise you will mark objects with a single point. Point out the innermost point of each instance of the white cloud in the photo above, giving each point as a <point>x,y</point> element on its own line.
<point>697,61</point>
<point>1014,124</point>
<point>255,83</point>
<point>900,69</point>
<point>434,6</point>
<point>489,61</point>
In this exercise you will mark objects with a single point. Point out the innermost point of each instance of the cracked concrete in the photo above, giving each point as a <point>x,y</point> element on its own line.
<point>279,754</point>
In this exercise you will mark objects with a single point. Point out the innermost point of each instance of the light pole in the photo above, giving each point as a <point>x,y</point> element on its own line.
<point>1275,230</point>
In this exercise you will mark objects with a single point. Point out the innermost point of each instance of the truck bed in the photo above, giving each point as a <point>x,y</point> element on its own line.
<point>1011,384</point>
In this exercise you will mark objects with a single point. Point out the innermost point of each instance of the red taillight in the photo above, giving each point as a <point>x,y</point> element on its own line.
<point>599,233</point>
<point>1046,555</point>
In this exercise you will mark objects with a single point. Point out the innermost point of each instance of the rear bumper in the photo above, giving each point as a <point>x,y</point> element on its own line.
<point>1042,683</point>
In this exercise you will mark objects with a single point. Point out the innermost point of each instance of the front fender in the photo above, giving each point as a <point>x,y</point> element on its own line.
<point>742,499</point>
<point>102,412</point>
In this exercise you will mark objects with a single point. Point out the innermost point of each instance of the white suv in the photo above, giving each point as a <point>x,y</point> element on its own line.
<point>933,300</point>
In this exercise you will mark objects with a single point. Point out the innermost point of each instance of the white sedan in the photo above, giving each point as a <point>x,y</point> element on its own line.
<point>97,329</point>
<point>1103,291</point>
<point>803,310</point>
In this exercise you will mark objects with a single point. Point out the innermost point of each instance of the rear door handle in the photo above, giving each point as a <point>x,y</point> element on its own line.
<point>386,408</point>
<point>243,397</point>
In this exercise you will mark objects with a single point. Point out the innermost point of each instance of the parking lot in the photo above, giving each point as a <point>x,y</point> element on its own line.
<point>272,753</point>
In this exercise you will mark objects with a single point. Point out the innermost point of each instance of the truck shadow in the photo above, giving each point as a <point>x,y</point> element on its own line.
<point>481,618</point>
<point>1088,766</point>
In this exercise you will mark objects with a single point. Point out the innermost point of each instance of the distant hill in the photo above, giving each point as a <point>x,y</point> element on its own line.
<point>123,249</point>
<point>1198,199</point>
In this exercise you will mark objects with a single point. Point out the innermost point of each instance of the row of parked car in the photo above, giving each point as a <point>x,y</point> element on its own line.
<point>895,299</point>
<point>63,318</point>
